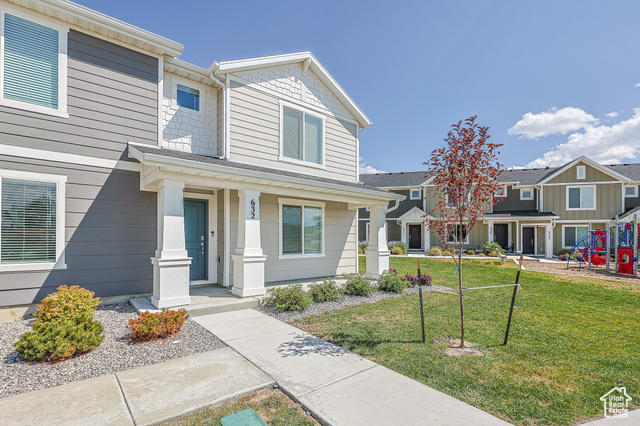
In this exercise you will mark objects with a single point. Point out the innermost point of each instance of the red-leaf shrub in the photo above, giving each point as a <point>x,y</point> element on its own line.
<point>159,325</point>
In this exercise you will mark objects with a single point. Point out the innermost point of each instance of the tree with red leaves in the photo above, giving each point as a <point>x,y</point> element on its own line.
<point>465,178</point>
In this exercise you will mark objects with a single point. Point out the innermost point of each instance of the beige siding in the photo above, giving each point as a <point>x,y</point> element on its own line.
<point>557,232</point>
<point>592,175</point>
<point>255,136</point>
<point>608,202</point>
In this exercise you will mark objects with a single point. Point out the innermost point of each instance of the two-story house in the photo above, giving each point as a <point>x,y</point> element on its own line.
<point>537,211</point>
<point>127,171</point>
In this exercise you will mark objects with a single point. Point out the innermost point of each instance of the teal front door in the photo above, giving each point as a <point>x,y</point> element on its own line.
<point>195,232</point>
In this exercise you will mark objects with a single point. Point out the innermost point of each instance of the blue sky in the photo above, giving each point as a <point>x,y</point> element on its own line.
<point>552,79</point>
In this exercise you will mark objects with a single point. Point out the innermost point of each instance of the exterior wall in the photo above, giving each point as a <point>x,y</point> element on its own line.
<point>557,232</point>
<point>631,202</point>
<point>187,129</point>
<point>592,175</point>
<point>608,202</point>
<point>512,201</point>
<point>394,231</point>
<point>477,237</point>
<point>255,135</point>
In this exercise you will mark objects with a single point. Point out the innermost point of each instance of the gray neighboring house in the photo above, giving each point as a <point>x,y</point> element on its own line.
<point>128,171</point>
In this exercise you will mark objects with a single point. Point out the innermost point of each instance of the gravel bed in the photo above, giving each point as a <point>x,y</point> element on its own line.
<point>598,272</point>
<point>115,353</point>
<point>318,308</point>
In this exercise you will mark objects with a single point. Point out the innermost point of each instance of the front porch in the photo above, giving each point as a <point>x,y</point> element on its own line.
<point>529,233</point>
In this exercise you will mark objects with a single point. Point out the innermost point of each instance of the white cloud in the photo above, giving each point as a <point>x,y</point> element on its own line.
<point>367,169</point>
<point>605,144</point>
<point>637,84</point>
<point>612,114</point>
<point>563,121</point>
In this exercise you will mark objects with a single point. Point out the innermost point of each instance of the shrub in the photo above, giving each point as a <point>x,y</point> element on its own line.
<point>157,325</point>
<point>481,254</point>
<point>446,253</point>
<point>435,251</point>
<point>289,298</point>
<point>325,291</point>
<point>69,303</point>
<point>413,279</point>
<point>399,244</point>
<point>563,256</point>
<point>489,247</point>
<point>358,285</point>
<point>59,339</point>
<point>471,252</point>
<point>362,247</point>
<point>563,251</point>
<point>397,251</point>
<point>392,282</point>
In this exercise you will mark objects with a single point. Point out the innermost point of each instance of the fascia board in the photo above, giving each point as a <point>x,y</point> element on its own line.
<point>591,163</point>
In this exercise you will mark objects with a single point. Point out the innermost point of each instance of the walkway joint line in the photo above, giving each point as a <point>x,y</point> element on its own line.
<point>126,402</point>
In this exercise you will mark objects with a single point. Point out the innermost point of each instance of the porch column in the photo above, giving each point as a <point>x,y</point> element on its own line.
<point>171,263</point>
<point>427,237</point>
<point>248,261</point>
<point>377,252</point>
<point>490,231</point>
<point>548,241</point>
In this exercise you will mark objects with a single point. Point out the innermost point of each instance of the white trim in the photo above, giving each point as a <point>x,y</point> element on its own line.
<point>303,204</point>
<point>522,197</point>
<point>581,172</point>
<point>160,102</point>
<point>304,110</point>
<point>60,181</point>
<point>411,197</point>
<point>580,187</point>
<point>63,31</point>
<point>212,239</point>
<point>63,157</point>
<point>586,221</point>
<point>193,85</point>
<point>606,182</point>
<point>588,224</point>
<point>589,162</point>
<point>635,191</point>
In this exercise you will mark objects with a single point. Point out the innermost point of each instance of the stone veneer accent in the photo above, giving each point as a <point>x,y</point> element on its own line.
<point>186,129</point>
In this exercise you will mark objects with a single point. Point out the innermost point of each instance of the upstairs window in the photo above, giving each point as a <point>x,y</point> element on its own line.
<point>581,197</point>
<point>526,194</point>
<point>31,65</point>
<point>302,136</point>
<point>188,97</point>
<point>501,193</point>
<point>415,194</point>
<point>631,191</point>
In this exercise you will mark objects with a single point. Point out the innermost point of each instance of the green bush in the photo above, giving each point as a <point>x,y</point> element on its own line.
<point>325,291</point>
<point>289,298</point>
<point>64,326</point>
<point>435,251</point>
<point>489,247</point>
<point>157,325</point>
<point>563,251</point>
<point>358,285</point>
<point>390,281</point>
<point>399,244</point>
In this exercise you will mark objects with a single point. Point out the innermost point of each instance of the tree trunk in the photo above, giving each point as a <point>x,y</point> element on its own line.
<point>461,301</point>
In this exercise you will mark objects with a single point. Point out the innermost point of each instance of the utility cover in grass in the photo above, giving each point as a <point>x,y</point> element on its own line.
<point>246,417</point>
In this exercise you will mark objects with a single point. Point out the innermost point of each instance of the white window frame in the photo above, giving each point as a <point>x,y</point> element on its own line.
<point>635,191</point>
<point>60,181</point>
<point>580,187</point>
<point>522,197</point>
<point>303,204</point>
<point>581,172</point>
<point>466,241</point>
<point>502,192</point>
<point>285,104</point>
<point>564,245</point>
<point>62,64</point>
<point>189,85</point>
<point>419,197</point>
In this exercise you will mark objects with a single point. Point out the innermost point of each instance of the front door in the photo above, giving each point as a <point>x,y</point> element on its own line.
<point>501,234</point>
<point>415,237</point>
<point>195,232</point>
<point>528,244</point>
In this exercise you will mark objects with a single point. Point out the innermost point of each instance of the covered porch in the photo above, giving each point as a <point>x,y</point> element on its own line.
<point>241,226</point>
<point>523,232</point>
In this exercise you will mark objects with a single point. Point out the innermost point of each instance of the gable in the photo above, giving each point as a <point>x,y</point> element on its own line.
<point>289,80</point>
<point>592,174</point>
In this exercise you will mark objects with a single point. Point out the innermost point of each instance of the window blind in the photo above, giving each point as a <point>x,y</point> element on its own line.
<point>28,228</point>
<point>291,229</point>
<point>292,134</point>
<point>312,230</point>
<point>30,62</point>
<point>312,139</point>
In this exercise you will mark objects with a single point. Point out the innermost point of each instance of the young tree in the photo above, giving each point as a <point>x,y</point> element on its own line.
<point>466,175</point>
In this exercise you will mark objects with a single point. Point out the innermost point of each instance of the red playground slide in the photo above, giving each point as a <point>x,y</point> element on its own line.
<point>598,260</point>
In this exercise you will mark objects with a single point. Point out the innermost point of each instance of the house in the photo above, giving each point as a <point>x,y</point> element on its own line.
<point>540,211</point>
<point>126,170</point>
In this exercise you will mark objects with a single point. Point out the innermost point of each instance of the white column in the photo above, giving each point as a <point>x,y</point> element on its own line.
<point>248,261</point>
<point>548,241</point>
<point>427,237</point>
<point>378,252</point>
<point>171,263</point>
<point>490,231</point>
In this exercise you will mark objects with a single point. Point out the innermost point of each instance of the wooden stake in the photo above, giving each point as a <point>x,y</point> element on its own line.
<point>513,301</point>
<point>421,308</point>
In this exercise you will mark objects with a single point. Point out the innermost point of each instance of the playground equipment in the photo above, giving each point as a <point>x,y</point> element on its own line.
<point>619,241</point>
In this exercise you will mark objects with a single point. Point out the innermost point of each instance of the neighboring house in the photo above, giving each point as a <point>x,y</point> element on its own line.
<point>127,171</point>
<point>541,210</point>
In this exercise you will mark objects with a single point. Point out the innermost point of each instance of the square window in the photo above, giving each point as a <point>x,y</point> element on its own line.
<point>631,191</point>
<point>415,194</point>
<point>188,97</point>
<point>573,234</point>
<point>581,197</point>
<point>302,229</point>
<point>502,192</point>
<point>302,136</point>
<point>526,194</point>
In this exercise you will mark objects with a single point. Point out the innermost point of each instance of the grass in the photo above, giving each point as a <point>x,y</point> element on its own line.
<point>570,342</point>
<point>273,406</point>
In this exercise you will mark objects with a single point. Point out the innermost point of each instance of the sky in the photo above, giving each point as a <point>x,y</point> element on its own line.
<point>553,79</point>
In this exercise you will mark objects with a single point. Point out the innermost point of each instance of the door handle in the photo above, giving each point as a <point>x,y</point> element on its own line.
<point>202,248</point>
<point>532,241</point>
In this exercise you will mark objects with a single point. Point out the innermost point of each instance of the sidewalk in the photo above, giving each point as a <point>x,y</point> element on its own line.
<point>337,386</point>
<point>140,396</point>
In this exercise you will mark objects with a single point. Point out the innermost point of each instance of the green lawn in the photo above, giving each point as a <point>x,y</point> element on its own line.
<point>571,340</point>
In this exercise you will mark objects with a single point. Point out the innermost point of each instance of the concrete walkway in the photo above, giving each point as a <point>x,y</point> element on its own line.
<point>140,396</point>
<point>337,386</point>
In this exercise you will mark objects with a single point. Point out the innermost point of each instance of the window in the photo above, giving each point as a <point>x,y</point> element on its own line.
<point>581,197</point>
<point>188,97</point>
<point>415,194</point>
<point>32,227</point>
<point>572,234</point>
<point>458,233</point>
<point>302,136</point>
<point>581,172</point>
<point>302,228</point>
<point>526,194</point>
<point>33,66</point>
<point>502,192</point>
<point>631,191</point>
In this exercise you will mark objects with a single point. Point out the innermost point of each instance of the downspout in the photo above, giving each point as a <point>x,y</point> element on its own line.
<point>390,209</point>
<point>223,155</point>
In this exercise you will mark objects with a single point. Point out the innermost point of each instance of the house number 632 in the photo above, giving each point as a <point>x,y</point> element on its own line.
<point>252,210</point>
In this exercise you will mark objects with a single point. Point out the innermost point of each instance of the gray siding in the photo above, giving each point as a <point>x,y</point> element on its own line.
<point>110,235</point>
<point>512,201</point>
<point>112,99</point>
<point>255,136</point>
<point>394,231</point>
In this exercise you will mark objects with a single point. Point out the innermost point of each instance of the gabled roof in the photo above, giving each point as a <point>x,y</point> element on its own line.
<point>413,210</point>
<point>394,180</point>
<point>309,61</point>
<point>589,161</point>
<point>632,171</point>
